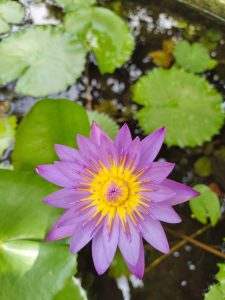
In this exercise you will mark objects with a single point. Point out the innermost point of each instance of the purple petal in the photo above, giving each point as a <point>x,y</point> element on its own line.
<point>151,146</point>
<point>139,268</point>
<point>100,259</point>
<point>96,133</point>
<point>75,215</point>
<point>123,138</point>
<point>157,172</point>
<point>82,235</point>
<point>71,171</point>
<point>130,244</point>
<point>65,198</point>
<point>88,148</point>
<point>164,213</point>
<point>108,151</point>
<point>67,154</point>
<point>110,240</point>
<point>57,233</point>
<point>153,233</point>
<point>53,175</point>
<point>157,193</point>
<point>133,152</point>
<point>183,192</point>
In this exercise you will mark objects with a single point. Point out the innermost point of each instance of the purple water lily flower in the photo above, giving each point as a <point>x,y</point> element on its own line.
<point>115,195</point>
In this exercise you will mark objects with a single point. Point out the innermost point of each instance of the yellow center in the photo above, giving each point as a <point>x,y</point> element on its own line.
<point>115,190</point>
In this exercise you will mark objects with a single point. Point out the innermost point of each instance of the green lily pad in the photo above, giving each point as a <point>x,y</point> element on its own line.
<point>105,122</point>
<point>69,5</point>
<point>7,132</point>
<point>182,102</point>
<point>49,122</point>
<point>44,59</point>
<point>105,34</point>
<point>206,205</point>
<point>72,291</point>
<point>217,291</point>
<point>11,12</point>
<point>194,58</point>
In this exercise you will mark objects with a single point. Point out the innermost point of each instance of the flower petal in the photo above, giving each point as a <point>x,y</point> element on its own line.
<point>96,133</point>
<point>67,154</point>
<point>88,148</point>
<point>157,192</point>
<point>139,268</point>
<point>183,192</point>
<point>123,138</point>
<point>65,198</point>
<point>153,233</point>
<point>57,233</point>
<point>151,146</point>
<point>129,245</point>
<point>164,213</point>
<point>53,175</point>
<point>82,235</point>
<point>71,170</point>
<point>110,240</point>
<point>156,172</point>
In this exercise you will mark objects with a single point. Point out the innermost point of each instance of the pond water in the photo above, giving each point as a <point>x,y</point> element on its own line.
<point>187,272</point>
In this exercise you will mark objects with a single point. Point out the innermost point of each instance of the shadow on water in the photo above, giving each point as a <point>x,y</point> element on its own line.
<point>187,272</point>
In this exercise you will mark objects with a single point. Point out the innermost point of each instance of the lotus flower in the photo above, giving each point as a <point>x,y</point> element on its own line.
<point>115,195</point>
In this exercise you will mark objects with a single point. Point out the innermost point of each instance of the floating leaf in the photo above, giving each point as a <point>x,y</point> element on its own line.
<point>30,269</point>
<point>217,291</point>
<point>69,5</point>
<point>206,205</point>
<point>105,33</point>
<point>49,122</point>
<point>203,166</point>
<point>194,58</point>
<point>72,291</point>
<point>182,102</point>
<point>11,12</point>
<point>42,58</point>
<point>7,132</point>
<point>105,122</point>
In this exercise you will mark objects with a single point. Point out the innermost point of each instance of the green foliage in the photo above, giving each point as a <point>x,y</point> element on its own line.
<point>69,5</point>
<point>105,122</point>
<point>182,102</point>
<point>105,34</point>
<point>203,166</point>
<point>118,267</point>
<point>42,58</point>
<point>194,58</point>
<point>11,12</point>
<point>49,122</point>
<point>7,132</point>
<point>217,291</point>
<point>29,267</point>
<point>206,205</point>
<point>72,291</point>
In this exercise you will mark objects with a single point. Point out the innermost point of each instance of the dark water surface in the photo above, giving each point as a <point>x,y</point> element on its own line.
<point>187,273</point>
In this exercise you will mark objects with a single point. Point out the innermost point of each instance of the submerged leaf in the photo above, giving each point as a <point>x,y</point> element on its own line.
<point>161,58</point>
<point>206,205</point>
<point>182,102</point>
<point>11,12</point>
<point>7,132</point>
<point>194,58</point>
<point>49,122</point>
<point>69,5</point>
<point>203,166</point>
<point>105,33</point>
<point>42,58</point>
<point>105,122</point>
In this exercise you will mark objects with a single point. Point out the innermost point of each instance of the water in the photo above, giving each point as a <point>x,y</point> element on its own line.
<point>188,272</point>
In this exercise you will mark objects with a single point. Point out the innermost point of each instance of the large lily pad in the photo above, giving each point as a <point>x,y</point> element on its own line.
<point>184,103</point>
<point>11,12</point>
<point>69,5</point>
<point>194,58</point>
<point>29,267</point>
<point>105,34</point>
<point>217,291</point>
<point>42,58</point>
<point>49,122</point>
<point>7,132</point>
